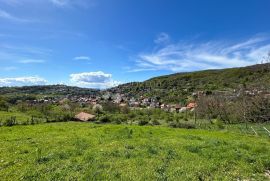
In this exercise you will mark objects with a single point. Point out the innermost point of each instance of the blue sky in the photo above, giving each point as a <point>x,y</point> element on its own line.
<point>101,43</point>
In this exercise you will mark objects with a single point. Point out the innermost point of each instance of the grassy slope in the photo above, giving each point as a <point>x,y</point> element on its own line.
<point>79,151</point>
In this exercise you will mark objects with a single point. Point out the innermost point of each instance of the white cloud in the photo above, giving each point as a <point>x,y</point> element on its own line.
<point>181,57</point>
<point>56,3</point>
<point>97,79</point>
<point>82,58</point>
<point>73,3</point>
<point>60,2</point>
<point>22,81</point>
<point>29,61</point>
<point>8,16</point>
<point>162,38</point>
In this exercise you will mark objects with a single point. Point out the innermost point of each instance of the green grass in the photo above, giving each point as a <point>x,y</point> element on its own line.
<point>82,151</point>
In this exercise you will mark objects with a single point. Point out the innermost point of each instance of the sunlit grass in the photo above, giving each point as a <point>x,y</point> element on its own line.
<point>60,151</point>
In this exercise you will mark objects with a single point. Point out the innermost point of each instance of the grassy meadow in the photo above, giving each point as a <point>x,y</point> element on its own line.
<point>86,151</point>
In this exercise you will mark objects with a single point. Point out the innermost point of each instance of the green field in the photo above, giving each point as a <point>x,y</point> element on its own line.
<point>84,151</point>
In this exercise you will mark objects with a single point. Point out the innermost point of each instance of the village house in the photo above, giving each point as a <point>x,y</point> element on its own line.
<point>82,116</point>
<point>191,105</point>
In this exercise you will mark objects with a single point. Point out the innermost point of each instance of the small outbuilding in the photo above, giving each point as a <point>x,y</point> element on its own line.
<point>191,105</point>
<point>82,116</point>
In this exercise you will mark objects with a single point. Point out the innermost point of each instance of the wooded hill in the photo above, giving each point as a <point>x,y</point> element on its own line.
<point>172,88</point>
<point>47,90</point>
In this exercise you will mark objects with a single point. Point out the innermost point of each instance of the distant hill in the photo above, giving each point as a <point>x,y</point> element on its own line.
<point>47,90</point>
<point>172,88</point>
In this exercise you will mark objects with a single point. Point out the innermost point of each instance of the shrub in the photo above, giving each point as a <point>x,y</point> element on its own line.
<point>118,119</point>
<point>169,119</point>
<point>3,105</point>
<point>218,123</point>
<point>10,121</point>
<point>111,107</point>
<point>155,122</point>
<point>143,122</point>
<point>182,125</point>
<point>105,119</point>
<point>98,109</point>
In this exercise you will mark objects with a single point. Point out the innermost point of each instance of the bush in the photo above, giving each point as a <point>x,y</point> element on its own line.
<point>143,122</point>
<point>98,109</point>
<point>3,105</point>
<point>111,107</point>
<point>155,122</point>
<point>218,123</point>
<point>119,118</point>
<point>10,122</point>
<point>182,125</point>
<point>105,119</point>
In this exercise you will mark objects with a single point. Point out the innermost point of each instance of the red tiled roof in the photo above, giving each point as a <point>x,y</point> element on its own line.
<point>191,105</point>
<point>84,116</point>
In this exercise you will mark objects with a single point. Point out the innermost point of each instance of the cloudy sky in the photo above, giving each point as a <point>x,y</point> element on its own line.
<point>102,43</point>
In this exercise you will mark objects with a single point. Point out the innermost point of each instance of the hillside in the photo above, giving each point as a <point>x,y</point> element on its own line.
<point>181,85</point>
<point>169,88</point>
<point>47,90</point>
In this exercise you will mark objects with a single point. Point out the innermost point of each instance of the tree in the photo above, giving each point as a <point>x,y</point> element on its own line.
<point>98,109</point>
<point>214,107</point>
<point>256,109</point>
<point>4,105</point>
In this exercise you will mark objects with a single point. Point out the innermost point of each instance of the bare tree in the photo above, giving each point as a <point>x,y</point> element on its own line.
<point>214,106</point>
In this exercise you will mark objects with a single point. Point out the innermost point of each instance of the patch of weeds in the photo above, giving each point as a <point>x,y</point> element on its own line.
<point>115,153</point>
<point>89,158</point>
<point>95,171</point>
<point>213,143</point>
<point>261,149</point>
<point>125,133</point>
<point>95,126</point>
<point>182,125</point>
<point>24,151</point>
<point>250,159</point>
<point>203,175</point>
<point>244,146</point>
<point>161,170</point>
<point>129,147</point>
<point>194,149</point>
<point>127,154</point>
<point>31,175</point>
<point>192,137</point>
<point>39,158</point>
<point>171,154</point>
<point>80,145</point>
<point>117,175</point>
<point>63,155</point>
<point>7,164</point>
<point>266,163</point>
<point>152,150</point>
